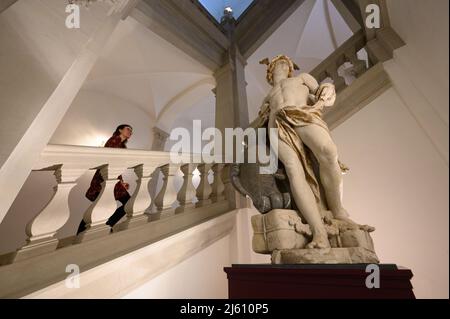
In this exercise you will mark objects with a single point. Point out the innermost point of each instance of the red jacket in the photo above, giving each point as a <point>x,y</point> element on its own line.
<point>120,192</point>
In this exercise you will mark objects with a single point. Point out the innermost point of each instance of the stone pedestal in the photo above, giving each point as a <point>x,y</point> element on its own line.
<point>282,233</point>
<point>316,282</point>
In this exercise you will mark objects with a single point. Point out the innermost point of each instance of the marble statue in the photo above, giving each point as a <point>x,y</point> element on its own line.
<point>303,218</point>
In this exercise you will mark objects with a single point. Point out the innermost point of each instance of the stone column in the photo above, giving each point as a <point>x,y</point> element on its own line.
<point>41,229</point>
<point>158,144</point>
<point>159,139</point>
<point>230,91</point>
<point>187,191</point>
<point>231,95</point>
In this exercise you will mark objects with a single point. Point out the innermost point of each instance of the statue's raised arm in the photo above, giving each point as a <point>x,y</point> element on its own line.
<point>324,92</point>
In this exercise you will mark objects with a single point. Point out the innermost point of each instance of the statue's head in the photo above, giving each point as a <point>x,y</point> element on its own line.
<point>279,60</point>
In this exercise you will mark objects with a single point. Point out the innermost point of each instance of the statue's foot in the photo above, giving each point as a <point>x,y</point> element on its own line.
<point>320,240</point>
<point>343,216</point>
<point>345,219</point>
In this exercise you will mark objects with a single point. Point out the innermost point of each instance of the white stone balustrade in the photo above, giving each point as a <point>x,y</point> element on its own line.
<point>71,162</point>
<point>41,229</point>
<point>338,81</point>
<point>347,52</point>
<point>359,66</point>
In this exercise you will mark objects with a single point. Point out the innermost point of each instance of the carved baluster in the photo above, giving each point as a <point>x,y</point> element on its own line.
<point>140,200</point>
<point>217,186</point>
<point>103,207</point>
<point>167,196</point>
<point>187,191</point>
<point>338,81</point>
<point>204,188</point>
<point>41,229</point>
<point>359,66</point>
<point>153,189</point>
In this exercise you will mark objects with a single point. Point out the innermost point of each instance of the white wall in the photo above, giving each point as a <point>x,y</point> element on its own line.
<point>424,26</point>
<point>202,276</point>
<point>35,53</point>
<point>93,117</point>
<point>420,69</point>
<point>199,277</point>
<point>398,182</point>
<point>46,64</point>
<point>90,121</point>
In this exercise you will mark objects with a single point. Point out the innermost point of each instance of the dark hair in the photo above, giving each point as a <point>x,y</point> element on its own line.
<point>121,127</point>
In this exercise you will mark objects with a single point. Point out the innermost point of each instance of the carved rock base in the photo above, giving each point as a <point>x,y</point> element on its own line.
<point>282,233</point>
<point>353,255</point>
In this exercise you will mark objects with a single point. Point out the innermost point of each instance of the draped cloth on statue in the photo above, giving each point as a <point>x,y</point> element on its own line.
<point>286,120</point>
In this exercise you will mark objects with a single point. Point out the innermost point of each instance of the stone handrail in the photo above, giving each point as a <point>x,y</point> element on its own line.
<point>69,163</point>
<point>347,52</point>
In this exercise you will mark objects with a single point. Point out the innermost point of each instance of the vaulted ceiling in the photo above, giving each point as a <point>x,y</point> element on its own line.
<point>216,7</point>
<point>141,67</point>
<point>308,36</point>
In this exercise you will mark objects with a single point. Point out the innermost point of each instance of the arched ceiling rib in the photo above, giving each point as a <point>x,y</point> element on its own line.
<point>140,67</point>
<point>182,102</point>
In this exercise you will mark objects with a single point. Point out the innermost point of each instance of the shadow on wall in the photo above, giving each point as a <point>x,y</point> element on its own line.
<point>32,198</point>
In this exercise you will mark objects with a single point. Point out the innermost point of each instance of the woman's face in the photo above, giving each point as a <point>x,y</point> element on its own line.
<point>126,132</point>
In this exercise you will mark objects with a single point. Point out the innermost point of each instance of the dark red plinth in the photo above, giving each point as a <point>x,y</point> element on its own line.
<point>316,281</point>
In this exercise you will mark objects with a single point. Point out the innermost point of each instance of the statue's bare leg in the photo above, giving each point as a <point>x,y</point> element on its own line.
<point>320,143</point>
<point>303,195</point>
